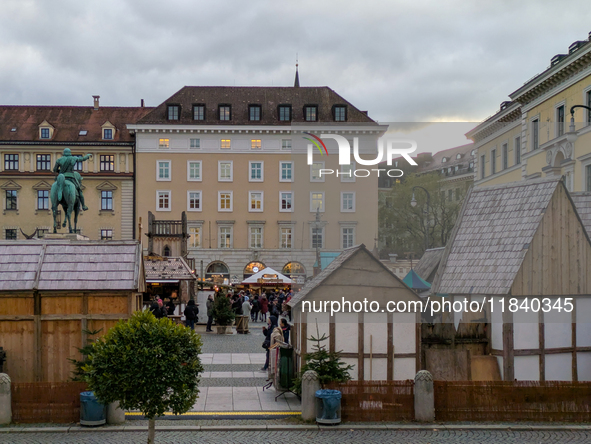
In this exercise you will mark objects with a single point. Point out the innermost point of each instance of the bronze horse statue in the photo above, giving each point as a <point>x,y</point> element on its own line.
<point>63,192</point>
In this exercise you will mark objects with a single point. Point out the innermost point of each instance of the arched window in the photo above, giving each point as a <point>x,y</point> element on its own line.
<point>295,271</point>
<point>166,251</point>
<point>253,268</point>
<point>217,271</point>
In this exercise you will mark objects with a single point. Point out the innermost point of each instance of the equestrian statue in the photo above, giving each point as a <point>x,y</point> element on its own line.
<point>66,190</point>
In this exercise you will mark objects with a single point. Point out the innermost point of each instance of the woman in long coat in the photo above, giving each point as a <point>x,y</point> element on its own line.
<point>264,309</point>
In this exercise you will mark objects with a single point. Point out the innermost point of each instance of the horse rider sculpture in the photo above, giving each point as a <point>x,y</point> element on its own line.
<point>65,165</point>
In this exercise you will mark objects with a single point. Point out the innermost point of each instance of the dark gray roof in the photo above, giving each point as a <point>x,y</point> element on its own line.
<point>429,263</point>
<point>64,265</point>
<point>583,204</point>
<point>239,98</point>
<point>492,236</point>
<point>167,268</point>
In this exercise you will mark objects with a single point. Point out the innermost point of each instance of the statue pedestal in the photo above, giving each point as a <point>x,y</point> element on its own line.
<point>67,236</point>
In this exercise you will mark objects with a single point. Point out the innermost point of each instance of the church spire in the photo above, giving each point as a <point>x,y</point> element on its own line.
<point>296,84</point>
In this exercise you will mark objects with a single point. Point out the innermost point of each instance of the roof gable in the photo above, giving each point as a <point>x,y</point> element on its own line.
<point>492,236</point>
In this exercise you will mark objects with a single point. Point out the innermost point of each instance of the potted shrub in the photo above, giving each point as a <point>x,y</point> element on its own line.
<point>223,313</point>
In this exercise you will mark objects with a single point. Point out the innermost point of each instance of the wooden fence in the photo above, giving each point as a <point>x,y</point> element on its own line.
<point>512,401</point>
<point>40,402</point>
<point>376,400</point>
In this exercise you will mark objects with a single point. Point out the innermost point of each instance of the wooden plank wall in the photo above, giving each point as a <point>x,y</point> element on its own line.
<point>41,331</point>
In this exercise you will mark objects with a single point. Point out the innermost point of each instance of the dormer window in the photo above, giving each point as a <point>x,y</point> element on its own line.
<point>444,160</point>
<point>198,112</point>
<point>225,112</point>
<point>473,152</point>
<point>107,134</point>
<point>285,113</point>
<point>174,112</point>
<point>45,133</point>
<point>13,130</point>
<point>458,156</point>
<point>254,113</point>
<point>311,113</point>
<point>340,113</point>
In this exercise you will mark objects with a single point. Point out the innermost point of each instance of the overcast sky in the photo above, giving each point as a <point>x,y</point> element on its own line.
<point>413,61</point>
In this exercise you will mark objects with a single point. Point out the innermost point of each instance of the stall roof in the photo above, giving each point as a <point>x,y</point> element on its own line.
<point>70,265</point>
<point>167,269</point>
<point>254,279</point>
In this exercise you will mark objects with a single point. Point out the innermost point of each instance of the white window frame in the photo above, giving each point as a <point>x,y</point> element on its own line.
<point>225,147</point>
<point>198,229</point>
<point>343,209</point>
<point>290,144</point>
<point>291,232</point>
<point>220,162</point>
<point>517,148</point>
<point>262,179</point>
<point>231,227</point>
<point>587,118</point>
<point>198,179</point>
<point>250,210</point>
<point>256,227</point>
<point>165,145</point>
<point>347,227</point>
<point>530,133</point>
<point>189,200</point>
<point>225,210</point>
<point>323,231</point>
<point>321,178</point>
<point>191,147</point>
<point>158,200</point>
<point>281,163</point>
<point>291,210</point>
<point>106,229</point>
<point>253,143</point>
<point>323,207</point>
<point>347,178</point>
<point>160,179</point>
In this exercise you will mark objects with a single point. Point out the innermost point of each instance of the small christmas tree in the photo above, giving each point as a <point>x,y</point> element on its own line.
<point>327,365</point>
<point>222,309</point>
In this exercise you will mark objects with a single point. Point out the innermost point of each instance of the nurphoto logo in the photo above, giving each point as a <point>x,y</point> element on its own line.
<point>387,148</point>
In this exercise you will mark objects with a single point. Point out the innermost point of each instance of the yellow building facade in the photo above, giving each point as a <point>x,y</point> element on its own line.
<point>32,138</point>
<point>235,160</point>
<point>533,134</point>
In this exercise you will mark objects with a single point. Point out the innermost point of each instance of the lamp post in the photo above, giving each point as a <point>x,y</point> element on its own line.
<point>572,135</point>
<point>413,203</point>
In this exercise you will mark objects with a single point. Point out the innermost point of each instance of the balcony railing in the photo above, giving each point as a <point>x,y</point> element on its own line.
<point>167,227</point>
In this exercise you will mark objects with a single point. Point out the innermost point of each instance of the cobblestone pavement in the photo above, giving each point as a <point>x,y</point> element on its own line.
<point>316,436</point>
<point>249,343</point>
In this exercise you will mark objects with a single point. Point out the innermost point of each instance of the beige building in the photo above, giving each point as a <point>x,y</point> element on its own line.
<point>235,159</point>
<point>532,135</point>
<point>32,138</point>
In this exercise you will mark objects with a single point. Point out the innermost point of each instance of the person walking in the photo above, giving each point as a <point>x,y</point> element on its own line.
<point>246,312</point>
<point>209,306</point>
<point>264,309</point>
<point>255,309</point>
<point>170,307</point>
<point>190,313</point>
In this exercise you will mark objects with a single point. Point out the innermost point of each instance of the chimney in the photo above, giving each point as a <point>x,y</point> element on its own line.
<point>96,102</point>
<point>142,103</point>
<point>393,258</point>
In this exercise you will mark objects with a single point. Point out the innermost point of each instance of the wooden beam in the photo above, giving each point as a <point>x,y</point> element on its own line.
<point>390,364</point>
<point>508,356</point>
<point>38,370</point>
<point>304,338</point>
<point>332,337</point>
<point>542,345</point>
<point>575,372</point>
<point>360,348</point>
<point>378,355</point>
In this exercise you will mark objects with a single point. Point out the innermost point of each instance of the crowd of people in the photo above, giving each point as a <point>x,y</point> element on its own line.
<point>259,307</point>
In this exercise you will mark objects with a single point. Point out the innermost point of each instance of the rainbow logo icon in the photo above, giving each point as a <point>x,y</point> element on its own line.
<point>316,142</point>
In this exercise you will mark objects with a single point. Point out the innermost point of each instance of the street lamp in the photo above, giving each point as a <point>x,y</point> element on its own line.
<point>413,203</point>
<point>572,135</point>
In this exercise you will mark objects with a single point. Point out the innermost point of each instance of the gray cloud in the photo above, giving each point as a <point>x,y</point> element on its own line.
<point>402,61</point>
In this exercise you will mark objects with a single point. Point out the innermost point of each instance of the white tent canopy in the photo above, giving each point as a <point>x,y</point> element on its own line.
<point>267,274</point>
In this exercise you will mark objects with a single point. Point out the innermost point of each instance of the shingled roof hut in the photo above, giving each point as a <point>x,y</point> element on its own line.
<point>380,345</point>
<point>52,291</point>
<point>524,241</point>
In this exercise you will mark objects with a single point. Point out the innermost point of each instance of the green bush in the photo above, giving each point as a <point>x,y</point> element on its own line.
<point>147,364</point>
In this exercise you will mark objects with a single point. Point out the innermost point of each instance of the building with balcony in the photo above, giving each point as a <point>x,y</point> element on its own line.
<point>236,161</point>
<point>32,138</point>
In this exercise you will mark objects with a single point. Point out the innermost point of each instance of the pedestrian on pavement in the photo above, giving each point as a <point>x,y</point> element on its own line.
<point>155,309</point>
<point>162,308</point>
<point>266,345</point>
<point>264,308</point>
<point>190,313</point>
<point>255,309</point>
<point>285,327</point>
<point>246,312</point>
<point>170,307</point>
<point>209,306</point>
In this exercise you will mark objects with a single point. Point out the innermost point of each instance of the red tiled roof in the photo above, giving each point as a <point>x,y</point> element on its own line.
<point>239,98</point>
<point>68,121</point>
